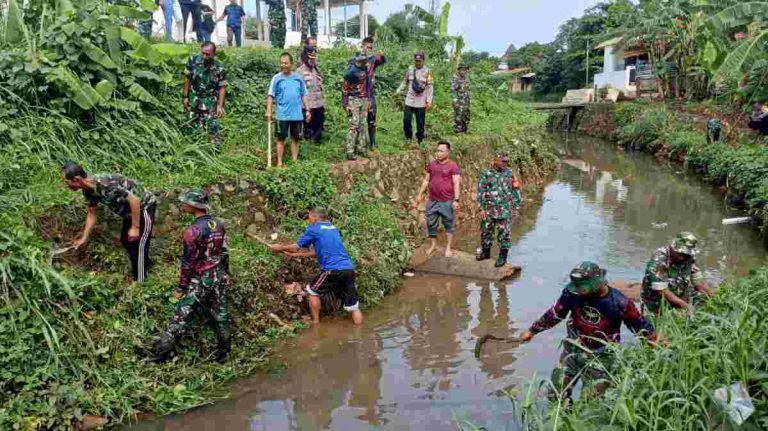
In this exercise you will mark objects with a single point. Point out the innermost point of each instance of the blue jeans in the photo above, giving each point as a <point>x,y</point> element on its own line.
<point>168,13</point>
<point>237,31</point>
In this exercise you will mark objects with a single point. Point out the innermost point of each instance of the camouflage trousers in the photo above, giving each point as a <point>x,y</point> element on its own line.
<point>576,363</point>
<point>489,226</point>
<point>207,120</point>
<point>308,23</point>
<point>277,33</point>
<point>461,115</point>
<point>357,135</point>
<point>205,297</point>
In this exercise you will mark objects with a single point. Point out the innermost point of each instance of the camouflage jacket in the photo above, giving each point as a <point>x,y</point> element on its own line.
<point>276,12</point>
<point>206,252</point>
<point>595,322</point>
<point>112,191</point>
<point>460,91</point>
<point>205,82</point>
<point>496,193</point>
<point>680,278</point>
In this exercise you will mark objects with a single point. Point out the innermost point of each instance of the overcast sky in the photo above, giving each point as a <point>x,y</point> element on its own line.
<point>490,25</point>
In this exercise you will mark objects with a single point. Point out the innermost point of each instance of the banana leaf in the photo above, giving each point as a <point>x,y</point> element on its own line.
<point>740,57</point>
<point>14,23</point>
<point>105,89</point>
<point>97,55</point>
<point>141,47</point>
<point>128,12</point>
<point>139,92</point>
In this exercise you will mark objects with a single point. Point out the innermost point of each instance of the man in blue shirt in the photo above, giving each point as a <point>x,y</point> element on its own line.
<point>235,18</point>
<point>337,270</point>
<point>289,91</point>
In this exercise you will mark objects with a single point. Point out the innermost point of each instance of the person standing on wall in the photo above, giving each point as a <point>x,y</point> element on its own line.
<point>235,15</point>
<point>354,99</point>
<point>374,61</point>
<point>167,7</point>
<point>276,16</point>
<point>313,79</point>
<point>443,177</point>
<point>193,9</point>
<point>209,22</point>
<point>419,86</point>
<point>289,92</point>
<point>125,197</point>
<point>308,18</point>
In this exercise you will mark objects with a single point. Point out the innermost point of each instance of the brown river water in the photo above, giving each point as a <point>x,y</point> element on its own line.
<point>412,366</point>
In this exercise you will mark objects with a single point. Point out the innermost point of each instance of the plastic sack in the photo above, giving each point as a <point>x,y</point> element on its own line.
<point>735,401</point>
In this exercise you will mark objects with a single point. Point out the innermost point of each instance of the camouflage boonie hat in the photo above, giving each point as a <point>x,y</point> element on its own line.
<point>464,66</point>
<point>195,198</point>
<point>686,243</point>
<point>361,56</point>
<point>586,278</point>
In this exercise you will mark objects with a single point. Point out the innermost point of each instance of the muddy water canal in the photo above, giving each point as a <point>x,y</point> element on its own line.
<point>412,365</point>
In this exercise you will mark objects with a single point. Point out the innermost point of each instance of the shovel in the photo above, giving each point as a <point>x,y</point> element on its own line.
<point>259,239</point>
<point>269,142</point>
<point>56,252</point>
<point>488,337</point>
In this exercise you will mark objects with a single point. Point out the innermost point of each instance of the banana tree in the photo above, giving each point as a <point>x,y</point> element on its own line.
<point>742,16</point>
<point>439,26</point>
<point>85,48</point>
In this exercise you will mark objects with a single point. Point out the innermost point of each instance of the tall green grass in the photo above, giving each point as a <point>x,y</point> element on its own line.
<point>671,387</point>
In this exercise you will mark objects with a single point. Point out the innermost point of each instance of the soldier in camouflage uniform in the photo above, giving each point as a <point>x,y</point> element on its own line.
<point>498,194</point>
<point>461,95</point>
<point>202,280</point>
<point>308,19</point>
<point>276,16</point>
<point>205,86</point>
<point>355,99</point>
<point>125,197</point>
<point>672,275</point>
<point>595,312</point>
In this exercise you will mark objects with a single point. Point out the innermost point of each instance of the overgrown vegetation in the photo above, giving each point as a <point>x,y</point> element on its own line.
<point>695,49</point>
<point>77,83</point>
<point>740,165</point>
<point>672,386</point>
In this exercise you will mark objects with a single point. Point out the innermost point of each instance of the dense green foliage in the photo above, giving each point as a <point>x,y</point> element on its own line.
<point>671,387</point>
<point>68,334</point>
<point>562,64</point>
<point>696,48</point>
<point>741,166</point>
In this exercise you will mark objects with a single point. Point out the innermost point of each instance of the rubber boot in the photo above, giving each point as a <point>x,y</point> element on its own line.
<point>502,259</point>
<point>483,254</point>
<point>223,345</point>
<point>161,350</point>
<point>372,138</point>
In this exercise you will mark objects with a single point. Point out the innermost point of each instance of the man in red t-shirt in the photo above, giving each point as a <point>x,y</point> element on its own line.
<point>443,177</point>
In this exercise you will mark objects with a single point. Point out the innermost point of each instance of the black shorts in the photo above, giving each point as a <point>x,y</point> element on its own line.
<point>341,283</point>
<point>294,127</point>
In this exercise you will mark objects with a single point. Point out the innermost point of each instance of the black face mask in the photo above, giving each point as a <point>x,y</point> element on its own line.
<point>208,61</point>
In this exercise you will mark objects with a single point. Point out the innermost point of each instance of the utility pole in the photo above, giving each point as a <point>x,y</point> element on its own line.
<point>586,82</point>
